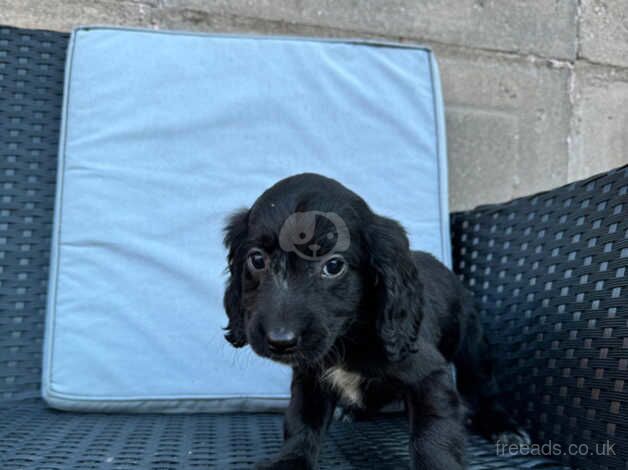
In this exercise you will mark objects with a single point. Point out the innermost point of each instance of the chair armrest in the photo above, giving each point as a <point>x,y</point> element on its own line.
<point>548,272</point>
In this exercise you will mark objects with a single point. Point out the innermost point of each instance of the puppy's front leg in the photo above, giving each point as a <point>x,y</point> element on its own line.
<point>437,435</point>
<point>307,418</point>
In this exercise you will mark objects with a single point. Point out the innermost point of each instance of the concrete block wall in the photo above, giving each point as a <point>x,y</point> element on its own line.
<point>536,92</point>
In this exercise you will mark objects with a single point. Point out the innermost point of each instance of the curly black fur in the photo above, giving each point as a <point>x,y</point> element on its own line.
<point>386,328</point>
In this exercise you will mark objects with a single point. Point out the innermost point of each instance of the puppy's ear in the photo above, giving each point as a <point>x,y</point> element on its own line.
<point>236,232</point>
<point>398,289</point>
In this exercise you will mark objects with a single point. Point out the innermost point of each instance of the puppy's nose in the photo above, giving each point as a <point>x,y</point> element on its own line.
<point>281,340</point>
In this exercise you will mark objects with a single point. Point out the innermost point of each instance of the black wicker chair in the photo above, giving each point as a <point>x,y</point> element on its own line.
<point>549,272</point>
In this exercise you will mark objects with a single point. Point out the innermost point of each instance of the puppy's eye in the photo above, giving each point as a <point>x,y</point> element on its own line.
<point>334,267</point>
<point>256,261</point>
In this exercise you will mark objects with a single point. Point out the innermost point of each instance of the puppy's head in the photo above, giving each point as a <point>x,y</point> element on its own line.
<point>309,260</point>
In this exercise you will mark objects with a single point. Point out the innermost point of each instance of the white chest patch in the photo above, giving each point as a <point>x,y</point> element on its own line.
<point>346,383</point>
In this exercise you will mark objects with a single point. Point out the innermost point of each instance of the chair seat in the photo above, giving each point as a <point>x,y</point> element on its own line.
<point>35,437</point>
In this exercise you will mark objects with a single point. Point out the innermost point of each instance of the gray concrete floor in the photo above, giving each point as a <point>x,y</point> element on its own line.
<point>536,92</point>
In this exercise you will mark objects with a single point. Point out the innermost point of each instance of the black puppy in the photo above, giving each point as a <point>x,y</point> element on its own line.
<point>320,282</point>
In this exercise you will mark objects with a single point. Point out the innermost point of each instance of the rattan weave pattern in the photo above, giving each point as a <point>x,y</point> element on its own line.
<point>31,85</point>
<point>37,438</point>
<point>550,274</point>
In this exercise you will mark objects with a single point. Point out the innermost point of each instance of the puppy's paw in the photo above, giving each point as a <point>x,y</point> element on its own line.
<point>518,437</point>
<point>494,423</point>
<point>285,463</point>
<point>344,415</point>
